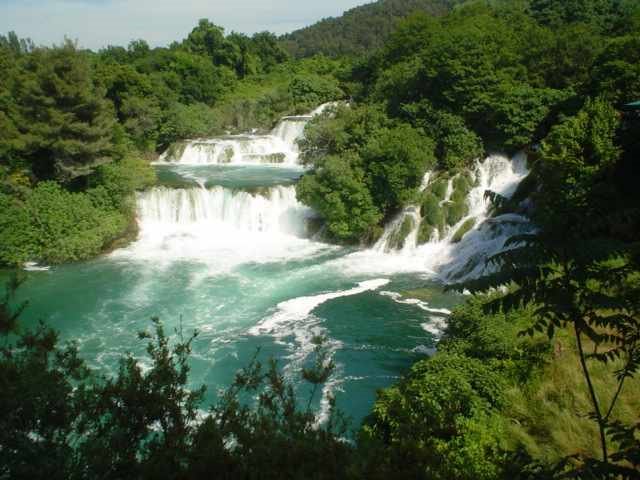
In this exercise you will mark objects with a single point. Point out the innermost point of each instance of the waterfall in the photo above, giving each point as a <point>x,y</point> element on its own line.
<point>275,210</point>
<point>279,147</point>
<point>233,149</point>
<point>290,130</point>
<point>464,257</point>
<point>221,227</point>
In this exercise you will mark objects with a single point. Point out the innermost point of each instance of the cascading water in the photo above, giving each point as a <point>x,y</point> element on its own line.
<point>274,211</point>
<point>236,150</point>
<point>456,259</point>
<point>279,147</point>
<point>291,129</point>
<point>205,224</point>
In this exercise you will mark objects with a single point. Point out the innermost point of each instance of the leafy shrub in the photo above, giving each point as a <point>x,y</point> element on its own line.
<point>339,193</point>
<point>310,90</point>
<point>395,160</point>
<point>441,420</point>
<point>54,226</point>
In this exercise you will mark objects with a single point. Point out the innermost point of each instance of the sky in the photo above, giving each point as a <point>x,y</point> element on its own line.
<point>97,23</point>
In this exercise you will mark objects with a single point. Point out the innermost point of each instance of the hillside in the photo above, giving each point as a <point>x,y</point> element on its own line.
<point>360,29</point>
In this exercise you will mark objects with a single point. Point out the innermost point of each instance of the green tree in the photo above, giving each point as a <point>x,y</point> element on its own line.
<point>65,124</point>
<point>396,160</point>
<point>338,191</point>
<point>439,422</point>
<point>579,276</point>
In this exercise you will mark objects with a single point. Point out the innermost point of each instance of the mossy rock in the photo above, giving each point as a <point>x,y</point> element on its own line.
<point>274,158</point>
<point>525,189</point>
<point>425,233</point>
<point>314,225</point>
<point>463,230</point>
<point>175,151</point>
<point>458,196</point>
<point>431,210</point>
<point>462,184</point>
<point>397,239</point>
<point>256,191</point>
<point>439,188</point>
<point>227,155</point>
<point>456,211</point>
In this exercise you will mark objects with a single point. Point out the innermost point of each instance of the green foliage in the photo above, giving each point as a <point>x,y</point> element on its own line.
<point>392,159</point>
<point>597,13</point>
<point>522,110</point>
<point>338,191</point>
<point>186,121</point>
<point>576,155</point>
<point>456,146</point>
<point>616,74</point>
<point>496,338</point>
<point>359,30</point>
<point>53,225</point>
<point>347,130</point>
<point>439,421</point>
<point>64,126</point>
<point>497,73</point>
<point>309,91</point>
<point>396,160</point>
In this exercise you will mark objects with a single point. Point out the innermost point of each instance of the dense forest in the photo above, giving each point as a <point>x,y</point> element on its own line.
<point>536,374</point>
<point>359,30</point>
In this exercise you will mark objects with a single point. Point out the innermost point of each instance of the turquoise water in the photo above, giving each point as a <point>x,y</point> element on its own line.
<point>243,290</point>
<point>244,177</point>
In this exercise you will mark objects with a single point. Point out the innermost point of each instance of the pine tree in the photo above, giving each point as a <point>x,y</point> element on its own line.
<point>66,127</point>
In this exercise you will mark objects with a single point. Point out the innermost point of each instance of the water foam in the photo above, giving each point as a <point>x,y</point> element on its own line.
<point>221,227</point>
<point>299,308</point>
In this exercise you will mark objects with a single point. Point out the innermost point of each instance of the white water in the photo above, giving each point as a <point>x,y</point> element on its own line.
<point>221,226</point>
<point>299,308</point>
<point>279,147</point>
<point>290,130</point>
<point>440,256</point>
<point>275,211</point>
